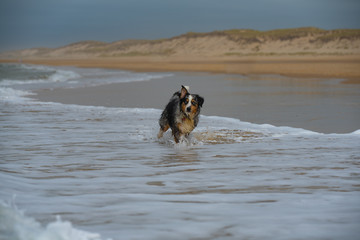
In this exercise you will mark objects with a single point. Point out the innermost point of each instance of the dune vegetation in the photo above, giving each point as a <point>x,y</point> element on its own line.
<point>234,42</point>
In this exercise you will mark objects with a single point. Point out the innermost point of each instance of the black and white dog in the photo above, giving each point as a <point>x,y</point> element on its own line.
<point>181,114</point>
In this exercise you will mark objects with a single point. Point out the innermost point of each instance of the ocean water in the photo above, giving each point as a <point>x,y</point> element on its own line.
<point>92,172</point>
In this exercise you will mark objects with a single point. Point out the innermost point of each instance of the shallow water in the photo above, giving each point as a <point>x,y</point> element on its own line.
<point>106,175</point>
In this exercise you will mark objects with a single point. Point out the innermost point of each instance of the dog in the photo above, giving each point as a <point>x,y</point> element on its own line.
<point>181,114</point>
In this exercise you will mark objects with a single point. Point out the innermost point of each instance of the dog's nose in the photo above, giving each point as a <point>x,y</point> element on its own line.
<point>188,109</point>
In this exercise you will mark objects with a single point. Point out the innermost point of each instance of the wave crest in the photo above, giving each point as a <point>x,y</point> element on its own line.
<point>16,226</point>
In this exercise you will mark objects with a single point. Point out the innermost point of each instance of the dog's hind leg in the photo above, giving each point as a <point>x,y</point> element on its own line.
<point>160,134</point>
<point>162,130</point>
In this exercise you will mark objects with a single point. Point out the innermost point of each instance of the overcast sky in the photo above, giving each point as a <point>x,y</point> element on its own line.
<point>54,23</point>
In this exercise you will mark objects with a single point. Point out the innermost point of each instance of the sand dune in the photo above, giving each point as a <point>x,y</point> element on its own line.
<point>298,41</point>
<point>304,52</point>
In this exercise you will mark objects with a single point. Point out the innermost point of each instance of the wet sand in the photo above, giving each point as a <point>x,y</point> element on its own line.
<point>322,105</point>
<point>344,67</point>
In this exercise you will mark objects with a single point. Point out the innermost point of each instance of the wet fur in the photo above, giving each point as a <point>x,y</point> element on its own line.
<point>181,114</point>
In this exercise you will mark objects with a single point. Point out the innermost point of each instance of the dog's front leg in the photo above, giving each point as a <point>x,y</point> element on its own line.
<point>177,136</point>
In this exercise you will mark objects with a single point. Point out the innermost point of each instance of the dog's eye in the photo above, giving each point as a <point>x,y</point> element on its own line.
<point>186,101</point>
<point>193,102</point>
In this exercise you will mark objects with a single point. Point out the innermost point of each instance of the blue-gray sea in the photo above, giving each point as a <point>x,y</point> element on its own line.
<point>91,172</point>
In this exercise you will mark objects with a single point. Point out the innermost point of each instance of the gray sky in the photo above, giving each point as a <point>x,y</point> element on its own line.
<point>54,23</point>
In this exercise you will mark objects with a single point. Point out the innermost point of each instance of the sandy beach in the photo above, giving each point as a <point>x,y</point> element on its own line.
<point>341,67</point>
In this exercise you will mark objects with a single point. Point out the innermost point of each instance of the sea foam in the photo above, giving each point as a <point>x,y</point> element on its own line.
<point>16,225</point>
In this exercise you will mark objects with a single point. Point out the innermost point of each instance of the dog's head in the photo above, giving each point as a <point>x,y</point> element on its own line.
<point>190,104</point>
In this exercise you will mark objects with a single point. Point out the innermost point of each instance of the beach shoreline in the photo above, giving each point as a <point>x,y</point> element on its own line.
<point>313,104</point>
<point>345,67</point>
<point>317,93</point>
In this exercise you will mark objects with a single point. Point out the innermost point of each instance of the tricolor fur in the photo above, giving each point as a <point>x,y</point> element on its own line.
<point>181,114</point>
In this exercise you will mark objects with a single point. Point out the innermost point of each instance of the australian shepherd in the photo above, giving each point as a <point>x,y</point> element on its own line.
<point>181,114</point>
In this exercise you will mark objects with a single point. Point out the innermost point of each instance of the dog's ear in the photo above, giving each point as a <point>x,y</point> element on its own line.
<point>184,91</point>
<point>200,100</point>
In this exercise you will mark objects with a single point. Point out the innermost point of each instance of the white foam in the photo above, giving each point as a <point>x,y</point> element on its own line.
<point>57,76</point>
<point>357,132</point>
<point>78,77</point>
<point>62,76</point>
<point>13,95</point>
<point>233,123</point>
<point>35,67</point>
<point>15,225</point>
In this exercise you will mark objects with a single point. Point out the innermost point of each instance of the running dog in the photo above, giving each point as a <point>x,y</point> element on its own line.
<point>181,114</point>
